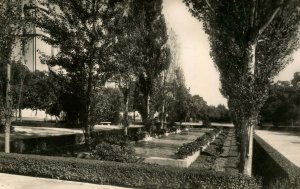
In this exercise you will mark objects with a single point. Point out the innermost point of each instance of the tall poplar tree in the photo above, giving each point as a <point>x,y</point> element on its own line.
<point>11,22</point>
<point>154,50</point>
<point>250,44</point>
<point>126,55</point>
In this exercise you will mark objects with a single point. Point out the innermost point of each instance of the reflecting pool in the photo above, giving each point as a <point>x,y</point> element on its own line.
<point>166,146</point>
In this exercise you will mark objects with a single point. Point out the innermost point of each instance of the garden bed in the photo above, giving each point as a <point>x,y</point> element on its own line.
<point>221,155</point>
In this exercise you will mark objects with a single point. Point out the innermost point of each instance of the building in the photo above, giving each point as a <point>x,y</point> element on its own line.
<point>30,46</point>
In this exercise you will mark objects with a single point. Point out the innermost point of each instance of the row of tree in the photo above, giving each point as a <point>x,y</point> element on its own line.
<point>49,91</point>
<point>124,42</point>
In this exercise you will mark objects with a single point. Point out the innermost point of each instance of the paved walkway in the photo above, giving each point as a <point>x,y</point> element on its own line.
<point>287,143</point>
<point>8,181</point>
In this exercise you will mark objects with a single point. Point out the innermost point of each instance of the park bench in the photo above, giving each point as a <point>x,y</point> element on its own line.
<point>105,123</point>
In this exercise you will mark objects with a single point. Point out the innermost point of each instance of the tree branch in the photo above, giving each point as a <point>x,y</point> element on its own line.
<point>208,4</point>
<point>253,13</point>
<point>264,27</point>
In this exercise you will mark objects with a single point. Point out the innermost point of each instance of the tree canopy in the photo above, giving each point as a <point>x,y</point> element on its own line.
<point>282,108</point>
<point>80,30</point>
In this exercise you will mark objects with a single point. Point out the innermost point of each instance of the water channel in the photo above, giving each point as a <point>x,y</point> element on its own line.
<point>167,145</point>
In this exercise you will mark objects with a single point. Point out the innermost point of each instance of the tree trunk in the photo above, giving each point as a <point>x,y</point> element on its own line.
<point>20,99</point>
<point>86,124</point>
<point>125,117</point>
<point>148,106</point>
<point>162,115</point>
<point>8,103</point>
<point>246,144</point>
<point>147,121</point>
<point>20,114</point>
<point>252,64</point>
<point>163,101</point>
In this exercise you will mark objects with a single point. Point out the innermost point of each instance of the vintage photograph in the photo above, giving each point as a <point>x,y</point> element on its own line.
<point>162,94</point>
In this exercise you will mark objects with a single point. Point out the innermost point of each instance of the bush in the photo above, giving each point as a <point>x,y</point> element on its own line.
<point>112,152</point>
<point>140,135</point>
<point>283,184</point>
<point>121,174</point>
<point>159,131</point>
<point>113,147</point>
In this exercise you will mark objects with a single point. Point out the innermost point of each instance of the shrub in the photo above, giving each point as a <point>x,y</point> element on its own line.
<point>140,135</point>
<point>113,147</point>
<point>283,184</point>
<point>112,152</point>
<point>159,131</point>
<point>121,174</point>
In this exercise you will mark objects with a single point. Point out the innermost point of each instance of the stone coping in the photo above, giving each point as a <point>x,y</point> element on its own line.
<point>173,162</point>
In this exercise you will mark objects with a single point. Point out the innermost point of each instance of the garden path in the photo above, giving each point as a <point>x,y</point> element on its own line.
<point>8,181</point>
<point>286,143</point>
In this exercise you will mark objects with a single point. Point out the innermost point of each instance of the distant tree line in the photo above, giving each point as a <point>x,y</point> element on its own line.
<point>283,105</point>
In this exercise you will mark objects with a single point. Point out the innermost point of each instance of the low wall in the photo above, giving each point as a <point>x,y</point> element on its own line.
<point>269,164</point>
<point>173,162</point>
<point>35,145</point>
<point>38,144</point>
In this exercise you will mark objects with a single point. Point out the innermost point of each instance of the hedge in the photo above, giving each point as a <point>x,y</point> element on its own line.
<point>269,164</point>
<point>120,174</point>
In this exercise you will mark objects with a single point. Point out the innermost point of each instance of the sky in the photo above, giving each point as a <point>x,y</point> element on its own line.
<point>201,75</point>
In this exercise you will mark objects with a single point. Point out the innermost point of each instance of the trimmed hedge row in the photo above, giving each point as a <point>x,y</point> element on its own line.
<point>120,174</point>
<point>188,149</point>
<point>271,165</point>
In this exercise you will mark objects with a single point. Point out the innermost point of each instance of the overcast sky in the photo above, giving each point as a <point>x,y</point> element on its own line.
<point>200,73</point>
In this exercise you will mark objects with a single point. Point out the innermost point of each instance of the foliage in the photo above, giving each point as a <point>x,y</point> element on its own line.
<point>112,152</point>
<point>12,23</point>
<point>188,149</point>
<point>113,147</point>
<point>122,174</point>
<point>218,114</point>
<point>250,43</point>
<point>283,105</point>
<point>154,52</point>
<point>39,94</point>
<point>80,30</point>
<point>106,105</point>
<point>20,80</point>
<point>283,184</point>
<point>179,109</point>
<point>126,57</point>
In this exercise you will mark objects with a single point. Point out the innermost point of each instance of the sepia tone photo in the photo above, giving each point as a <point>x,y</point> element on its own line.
<point>112,94</point>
